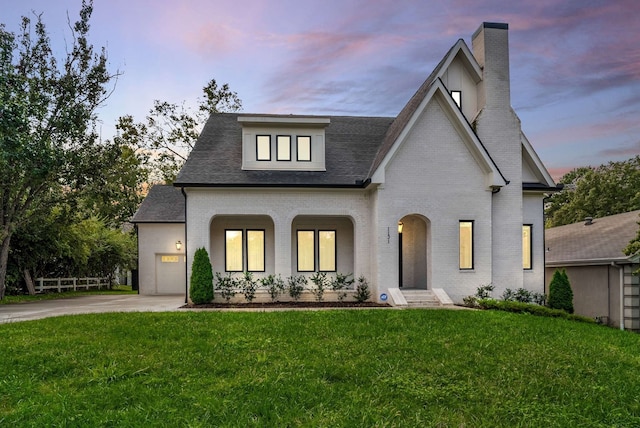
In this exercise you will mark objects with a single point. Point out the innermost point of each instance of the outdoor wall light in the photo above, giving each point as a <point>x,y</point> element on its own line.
<point>400,226</point>
<point>178,245</point>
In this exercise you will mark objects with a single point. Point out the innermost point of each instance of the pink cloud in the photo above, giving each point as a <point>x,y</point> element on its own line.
<point>582,132</point>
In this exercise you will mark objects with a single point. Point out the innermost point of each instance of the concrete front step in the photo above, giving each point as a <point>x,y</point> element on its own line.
<point>421,298</point>
<point>417,298</point>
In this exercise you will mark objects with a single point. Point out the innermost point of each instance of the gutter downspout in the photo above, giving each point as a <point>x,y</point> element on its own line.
<point>186,241</point>
<point>621,270</point>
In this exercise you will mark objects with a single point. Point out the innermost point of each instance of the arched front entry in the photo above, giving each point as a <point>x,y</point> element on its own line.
<point>414,251</point>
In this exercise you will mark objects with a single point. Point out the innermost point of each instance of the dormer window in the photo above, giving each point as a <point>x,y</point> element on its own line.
<point>263,147</point>
<point>283,143</point>
<point>457,97</point>
<point>303,148</point>
<point>283,149</point>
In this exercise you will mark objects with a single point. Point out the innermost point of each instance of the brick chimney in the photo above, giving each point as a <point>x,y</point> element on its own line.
<point>499,129</point>
<point>491,49</point>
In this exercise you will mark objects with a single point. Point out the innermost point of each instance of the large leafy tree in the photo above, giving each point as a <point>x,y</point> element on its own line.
<point>169,131</point>
<point>47,121</point>
<point>609,189</point>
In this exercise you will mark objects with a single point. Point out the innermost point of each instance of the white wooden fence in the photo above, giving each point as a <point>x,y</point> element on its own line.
<point>70,284</point>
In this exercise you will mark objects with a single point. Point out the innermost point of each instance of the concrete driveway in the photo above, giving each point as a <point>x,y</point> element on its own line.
<point>89,305</point>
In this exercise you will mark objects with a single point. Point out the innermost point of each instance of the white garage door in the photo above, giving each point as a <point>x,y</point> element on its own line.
<point>170,273</point>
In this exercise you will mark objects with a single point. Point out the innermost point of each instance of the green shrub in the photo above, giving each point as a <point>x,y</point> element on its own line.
<point>523,295</point>
<point>560,294</point>
<point>201,283</point>
<point>320,282</point>
<point>362,290</point>
<point>484,291</point>
<point>249,286</point>
<point>227,285</point>
<point>296,286</point>
<point>340,283</point>
<point>274,285</point>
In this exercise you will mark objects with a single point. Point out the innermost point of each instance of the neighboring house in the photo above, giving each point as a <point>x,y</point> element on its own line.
<point>446,196</point>
<point>161,242</point>
<point>599,272</point>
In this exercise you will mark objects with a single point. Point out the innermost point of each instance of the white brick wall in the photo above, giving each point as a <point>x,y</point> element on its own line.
<point>157,238</point>
<point>434,175</point>
<point>282,207</point>
<point>534,215</point>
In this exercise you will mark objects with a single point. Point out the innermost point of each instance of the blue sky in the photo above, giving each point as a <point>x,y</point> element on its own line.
<point>575,65</point>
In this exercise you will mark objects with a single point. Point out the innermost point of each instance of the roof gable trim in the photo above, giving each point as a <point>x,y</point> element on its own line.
<point>494,178</point>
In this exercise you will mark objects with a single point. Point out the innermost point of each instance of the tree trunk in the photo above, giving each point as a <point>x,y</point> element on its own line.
<point>29,281</point>
<point>4,259</point>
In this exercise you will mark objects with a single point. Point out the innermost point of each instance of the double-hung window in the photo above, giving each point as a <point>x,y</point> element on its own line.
<point>466,244</point>
<point>316,250</point>
<point>244,250</point>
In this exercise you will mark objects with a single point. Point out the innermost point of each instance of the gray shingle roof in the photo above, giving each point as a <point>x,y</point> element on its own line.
<point>601,241</point>
<point>400,122</point>
<point>163,204</point>
<point>351,144</point>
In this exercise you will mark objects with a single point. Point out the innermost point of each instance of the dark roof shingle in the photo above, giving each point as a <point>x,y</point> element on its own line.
<point>351,144</point>
<point>163,204</point>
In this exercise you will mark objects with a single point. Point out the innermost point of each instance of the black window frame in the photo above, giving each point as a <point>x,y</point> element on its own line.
<point>454,100</point>
<point>335,249</point>
<point>258,147</point>
<point>298,137</point>
<point>530,226</point>
<point>245,249</point>
<point>473,246</point>
<point>278,148</point>
<point>226,265</point>
<point>298,250</point>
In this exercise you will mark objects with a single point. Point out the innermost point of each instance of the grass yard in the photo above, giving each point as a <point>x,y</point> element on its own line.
<point>22,298</point>
<point>318,368</point>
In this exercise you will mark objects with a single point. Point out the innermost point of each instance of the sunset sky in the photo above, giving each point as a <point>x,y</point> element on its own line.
<point>575,65</point>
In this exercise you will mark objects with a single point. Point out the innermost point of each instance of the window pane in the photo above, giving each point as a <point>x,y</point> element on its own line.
<point>457,97</point>
<point>263,147</point>
<point>306,251</point>
<point>255,250</point>
<point>327,250</point>
<point>304,148</point>
<point>466,245</point>
<point>284,148</point>
<point>233,250</point>
<point>526,246</point>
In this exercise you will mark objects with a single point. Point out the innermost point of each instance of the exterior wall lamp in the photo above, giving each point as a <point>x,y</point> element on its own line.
<point>178,245</point>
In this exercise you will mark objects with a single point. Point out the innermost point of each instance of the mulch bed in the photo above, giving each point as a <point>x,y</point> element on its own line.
<point>287,305</point>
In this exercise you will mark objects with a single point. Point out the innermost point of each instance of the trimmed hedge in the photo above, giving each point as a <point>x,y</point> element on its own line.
<point>201,283</point>
<point>529,308</point>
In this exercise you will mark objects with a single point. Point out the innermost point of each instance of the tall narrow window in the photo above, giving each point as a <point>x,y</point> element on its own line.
<point>527,245</point>
<point>306,251</point>
<point>327,250</point>
<point>233,250</point>
<point>283,150</point>
<point>466,244</point>
<point>255,250</point>
<point>457,97</point>
<point>303,148</point>
<point>263,147</point>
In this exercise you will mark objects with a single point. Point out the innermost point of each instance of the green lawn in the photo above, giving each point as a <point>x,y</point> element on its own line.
<point>318,368</point>
<point>117,289</point>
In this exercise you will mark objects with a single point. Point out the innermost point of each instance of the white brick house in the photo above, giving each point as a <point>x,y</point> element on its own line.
<point>290,195</point>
